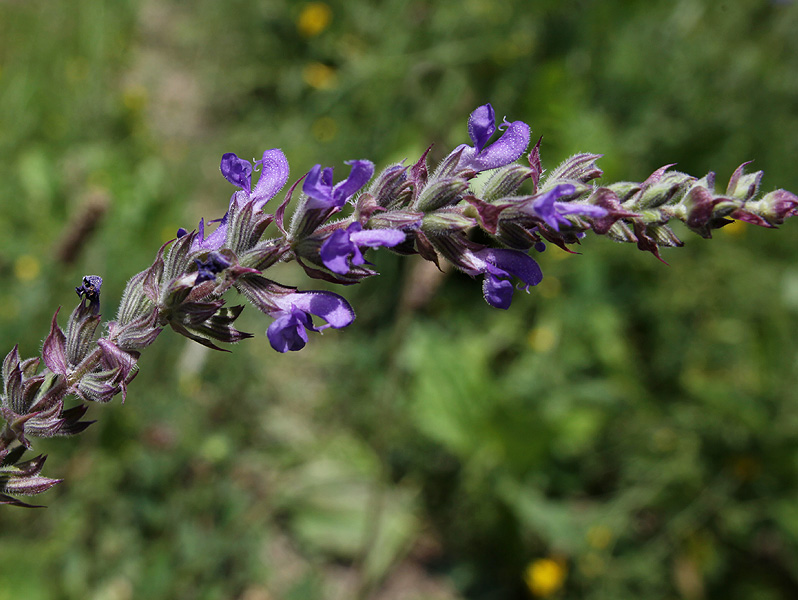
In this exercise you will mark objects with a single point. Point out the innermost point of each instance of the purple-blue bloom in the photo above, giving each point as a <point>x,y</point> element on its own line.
<point>343,246</point>
<point>318,185</point>
<point>499,265</point>
<point>214,241</point>
<point>90,290</point>
<point>507,149</point>
<point>552,212</point>
<point>289,330</point>
<point>238,171</point>
<point>214,264</point>
<point>292,318</point>
<point>274,174</point>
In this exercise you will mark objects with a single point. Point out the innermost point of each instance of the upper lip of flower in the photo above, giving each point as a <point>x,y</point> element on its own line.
<point>507,149</point>
<point>274,175</point>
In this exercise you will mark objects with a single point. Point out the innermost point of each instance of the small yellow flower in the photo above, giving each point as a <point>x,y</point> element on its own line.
<point>27,267</point>
<point>545,576</point>
<point>314,18</point>
<point>542,339</point>
<point>318,75</point>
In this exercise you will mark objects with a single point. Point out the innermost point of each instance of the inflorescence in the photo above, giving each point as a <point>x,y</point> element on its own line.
<point>405,208</point>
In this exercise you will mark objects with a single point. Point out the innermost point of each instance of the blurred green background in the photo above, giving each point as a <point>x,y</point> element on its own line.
<point>628,430</point>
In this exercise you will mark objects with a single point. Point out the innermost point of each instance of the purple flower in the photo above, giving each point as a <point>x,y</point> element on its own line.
<point>318,185</point>
<point>214,241</point>
<point>292,319</point>
<point>238,171</point>
<point>345,243</point>
<point>499,265</point>
<point>273,176</point>
<point>90,290</point>
<point>546,207</point>
<point>507,149</point>
<point>208,270</point>
<point>289,330</point>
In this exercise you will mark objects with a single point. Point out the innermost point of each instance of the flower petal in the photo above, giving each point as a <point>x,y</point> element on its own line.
<point>329,306</point>
<point>335,251</point>
<point>579,208</point>
<point>514,262</point>
<point>543,205</point>
<point>274,175</point>
<point>378,237</point>
<point>289,330</point>
<point>236,170</point>
<point>497,292</point>
<point>318,187</point>
<point>508,148</point>
<point>215,240</point>
<point>361,172</point>
<point>481,126</point>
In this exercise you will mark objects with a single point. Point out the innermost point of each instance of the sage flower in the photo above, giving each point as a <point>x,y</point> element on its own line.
<point>343,246</point>
<point>546,207</point>
<point>499,265</point>
<point>90,290</point>
<point>274,174</point>
<point>507,149</point>
<point>318,185</point>
<point>292,319</point>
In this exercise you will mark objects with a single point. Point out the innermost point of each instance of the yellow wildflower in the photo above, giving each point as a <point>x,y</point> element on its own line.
<point>545,576</point>
<point>320,76</point>
<point>314,18</point>
<point>27,267</point>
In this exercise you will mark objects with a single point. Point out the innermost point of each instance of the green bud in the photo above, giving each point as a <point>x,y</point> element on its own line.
<point>505,182</point>
<point>441,193</point>
<point>443,222</point>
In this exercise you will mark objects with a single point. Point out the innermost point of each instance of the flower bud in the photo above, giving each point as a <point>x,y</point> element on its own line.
<point>579,167</point>
<point>742,185</point>
<point>505,182</point>
<point>441,193</point>
<point>392,188</point>
<point>534,164</point>
<point>778,206</point>
<point>660,192</point>
<point>446,222</point>
<point>80,331</point>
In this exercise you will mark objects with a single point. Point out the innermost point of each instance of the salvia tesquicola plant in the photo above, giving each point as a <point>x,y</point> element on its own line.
<point>406,208</point>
